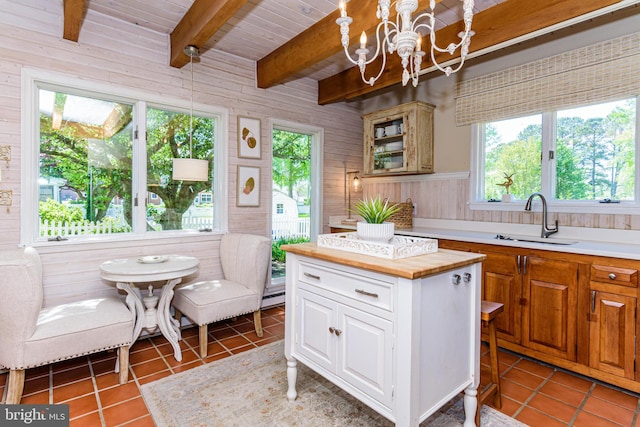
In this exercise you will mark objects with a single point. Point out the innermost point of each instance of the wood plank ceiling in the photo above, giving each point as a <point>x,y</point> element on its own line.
<point>291,39</point>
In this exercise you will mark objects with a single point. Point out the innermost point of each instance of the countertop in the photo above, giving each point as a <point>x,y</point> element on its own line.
<point>585,241</point>
<point>409,268</point>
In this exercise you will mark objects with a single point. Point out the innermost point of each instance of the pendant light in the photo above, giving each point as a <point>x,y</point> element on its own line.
<point>190,169</point>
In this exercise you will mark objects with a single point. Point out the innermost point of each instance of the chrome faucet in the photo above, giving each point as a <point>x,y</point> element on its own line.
<point>546,231</point>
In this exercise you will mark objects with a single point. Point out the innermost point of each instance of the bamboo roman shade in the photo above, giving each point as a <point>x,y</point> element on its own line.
<point>596,73</point>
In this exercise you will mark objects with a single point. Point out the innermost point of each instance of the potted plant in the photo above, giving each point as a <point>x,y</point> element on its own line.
<point>375,213</point>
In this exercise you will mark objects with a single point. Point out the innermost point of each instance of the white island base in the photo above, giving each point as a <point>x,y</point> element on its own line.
<point>402,336</point>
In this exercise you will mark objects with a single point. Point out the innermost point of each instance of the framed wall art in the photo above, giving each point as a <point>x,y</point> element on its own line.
<point>248,183</point>
<point>249,138</point>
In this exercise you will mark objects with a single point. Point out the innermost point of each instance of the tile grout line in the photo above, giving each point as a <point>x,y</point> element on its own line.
<point>584,402</point>
<point>96,392</point>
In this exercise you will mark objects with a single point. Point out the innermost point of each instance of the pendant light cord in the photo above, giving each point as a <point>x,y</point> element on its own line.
<point>191,112</point>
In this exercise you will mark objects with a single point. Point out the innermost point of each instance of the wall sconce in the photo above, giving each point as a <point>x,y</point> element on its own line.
<point>354,184</point>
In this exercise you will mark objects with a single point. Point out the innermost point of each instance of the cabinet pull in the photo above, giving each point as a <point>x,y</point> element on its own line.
<point>518,261</point>
<point>524,265</point>
<point>369,294</point>
<point>593,301</point>
<point>313,276</point>
<point>612,276</point>
<point>455,279</point>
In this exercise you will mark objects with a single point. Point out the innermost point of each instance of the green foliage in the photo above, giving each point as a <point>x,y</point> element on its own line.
<point>53,211</point>
<point>375,211</point>
<point>291,159</point>
<point>278,254</point>
<point>594,157</point>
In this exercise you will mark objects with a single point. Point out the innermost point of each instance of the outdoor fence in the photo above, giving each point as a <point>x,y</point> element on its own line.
<point>281,227</point>
<point>289,227</point>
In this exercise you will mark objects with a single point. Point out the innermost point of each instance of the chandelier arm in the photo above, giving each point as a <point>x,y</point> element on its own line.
<point>448,48</point>
<point>372,80</point>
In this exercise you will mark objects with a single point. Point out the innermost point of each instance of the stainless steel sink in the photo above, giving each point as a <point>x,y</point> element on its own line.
<point>530,239</point>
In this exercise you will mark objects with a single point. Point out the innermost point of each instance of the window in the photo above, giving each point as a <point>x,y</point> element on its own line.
<point>585,156</point>
<point>93,176</point>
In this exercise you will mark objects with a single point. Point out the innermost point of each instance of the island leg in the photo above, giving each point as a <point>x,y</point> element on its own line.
<point>292,377</point>
<point>470,406</point>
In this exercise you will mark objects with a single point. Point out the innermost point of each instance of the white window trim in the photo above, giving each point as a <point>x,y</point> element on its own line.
<point>548,143</point>
<point>31,78</point>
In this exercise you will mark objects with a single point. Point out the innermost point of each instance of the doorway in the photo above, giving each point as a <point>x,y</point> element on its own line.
<point>296,205</point>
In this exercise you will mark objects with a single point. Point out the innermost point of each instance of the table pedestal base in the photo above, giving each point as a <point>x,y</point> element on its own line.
<point>146,316</point>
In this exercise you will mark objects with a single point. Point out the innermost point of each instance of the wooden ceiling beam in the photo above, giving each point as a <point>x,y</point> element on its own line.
<point>319,42</point>
<point>499,24</point>
<point>73,11</point>
<point>203,19</point>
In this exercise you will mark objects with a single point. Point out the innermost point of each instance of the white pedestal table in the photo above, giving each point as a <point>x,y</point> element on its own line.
<point>151,271</point>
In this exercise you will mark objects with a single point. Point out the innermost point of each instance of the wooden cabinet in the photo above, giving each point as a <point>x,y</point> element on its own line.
<point>399,140</point>
<point>549,318</point>
<point>404,344</point>
<point>612,319</point>
<point>575,311</point>
<point>539,295</point>
<point>502,283</point>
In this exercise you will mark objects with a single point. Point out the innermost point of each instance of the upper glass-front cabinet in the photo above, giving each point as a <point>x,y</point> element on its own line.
<point>399,140</point>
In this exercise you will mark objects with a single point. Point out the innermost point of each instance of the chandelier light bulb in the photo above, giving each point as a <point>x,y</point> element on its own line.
<point>404,38</point>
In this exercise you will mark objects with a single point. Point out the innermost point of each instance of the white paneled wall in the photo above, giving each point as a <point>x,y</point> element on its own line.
<point>118,53</point>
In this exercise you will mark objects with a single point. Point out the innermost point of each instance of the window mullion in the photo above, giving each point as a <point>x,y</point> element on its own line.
<point>548,164</point>
<point>139,172</point>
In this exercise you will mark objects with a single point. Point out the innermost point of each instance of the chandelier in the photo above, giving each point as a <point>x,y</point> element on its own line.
<point>405,37</point>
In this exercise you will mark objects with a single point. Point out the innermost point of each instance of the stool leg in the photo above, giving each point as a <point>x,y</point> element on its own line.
<point>495,369</point>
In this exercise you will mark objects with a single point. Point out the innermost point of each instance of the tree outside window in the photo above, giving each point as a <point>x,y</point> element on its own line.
<point>591,156</point>
<point>87,160</point>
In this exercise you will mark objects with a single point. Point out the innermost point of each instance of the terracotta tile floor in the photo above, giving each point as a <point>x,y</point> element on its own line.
<point>534,393</point>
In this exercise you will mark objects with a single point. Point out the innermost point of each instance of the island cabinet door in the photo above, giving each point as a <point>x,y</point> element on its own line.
<point>315,337</point>
<point>365,358</point>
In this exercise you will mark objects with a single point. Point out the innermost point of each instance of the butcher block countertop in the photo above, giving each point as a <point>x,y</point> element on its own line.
<point>409,268</point>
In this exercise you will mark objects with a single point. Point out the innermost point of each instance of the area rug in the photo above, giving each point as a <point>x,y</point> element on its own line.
<point>249,390</point>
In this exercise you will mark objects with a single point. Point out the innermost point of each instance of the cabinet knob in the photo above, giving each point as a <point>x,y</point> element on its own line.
<point>455,279</point>
<point>612,276</point>
<point>332,330</point>
<point>466,277</point>
<point>338,332</point>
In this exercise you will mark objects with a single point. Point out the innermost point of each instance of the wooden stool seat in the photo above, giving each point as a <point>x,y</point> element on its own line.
<point>489,310</point>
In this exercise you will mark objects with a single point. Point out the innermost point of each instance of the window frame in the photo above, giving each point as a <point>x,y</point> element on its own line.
<point>548,172</point>
<point>33,80</point>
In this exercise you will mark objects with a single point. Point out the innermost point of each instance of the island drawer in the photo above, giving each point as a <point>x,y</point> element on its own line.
<point>361,288</point>
<point>614,275</point>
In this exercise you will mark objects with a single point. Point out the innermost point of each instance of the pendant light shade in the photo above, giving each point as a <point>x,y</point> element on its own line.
<point>190,169</point>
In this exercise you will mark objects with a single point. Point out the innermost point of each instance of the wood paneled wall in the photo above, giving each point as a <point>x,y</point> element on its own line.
<point>446,196</point>
<point>118,53</point>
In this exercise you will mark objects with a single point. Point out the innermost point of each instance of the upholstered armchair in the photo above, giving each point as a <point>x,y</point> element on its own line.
<point>246,260</point>
<point>31,335</point>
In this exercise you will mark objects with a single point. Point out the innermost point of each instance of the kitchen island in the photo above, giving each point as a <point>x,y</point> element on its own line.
<point>402,336</point>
